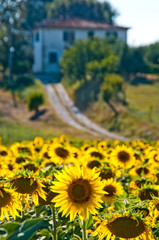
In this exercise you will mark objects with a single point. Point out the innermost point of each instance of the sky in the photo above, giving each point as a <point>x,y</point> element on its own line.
<point>142,16</point>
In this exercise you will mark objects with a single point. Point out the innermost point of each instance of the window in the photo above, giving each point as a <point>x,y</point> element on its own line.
<point>112,34</point>
<point>68,37</point>
<point>52,57</point>
<point>90,34</point>
<point>37,37</point>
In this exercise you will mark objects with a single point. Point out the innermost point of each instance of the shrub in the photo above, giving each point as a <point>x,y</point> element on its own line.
<point>35,100</point>
<point>23,81</point>
<point>21,67</point>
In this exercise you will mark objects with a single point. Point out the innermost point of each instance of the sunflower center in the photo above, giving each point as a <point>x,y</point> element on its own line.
<point>75,155</point>
<point>49,196</point>
<point>45,155</point>
<point>24,150</point>
<point>50,164</point>
<point>96,155</point>
<point>146,194</point>
<point>20,159</point>
<point>156,158</point>
<point>139,183</point>
<point>6,199</point>
<point>142,170</point>
<point>144,211</point>
<point>37,149</point>
<point>93,164</point>
<point>10,167</point>
<point>61,152</point>
<point>110,190</point>
<point>23,185</point>
<point>30,167</point>
<point>125,227</point>
<point>79,190</point>
<point>106,174</point>
<point>3,153</point>
<point>123,156</point>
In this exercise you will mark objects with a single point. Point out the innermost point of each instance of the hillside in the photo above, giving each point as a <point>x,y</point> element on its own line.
<point>138,119</point>
<point>18,124</point>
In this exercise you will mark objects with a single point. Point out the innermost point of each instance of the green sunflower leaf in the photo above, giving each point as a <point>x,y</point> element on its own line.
<point>27,229</point>
<point>89,222</point>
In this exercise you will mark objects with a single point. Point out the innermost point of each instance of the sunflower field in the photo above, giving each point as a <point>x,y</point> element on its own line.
<point>63,189</point>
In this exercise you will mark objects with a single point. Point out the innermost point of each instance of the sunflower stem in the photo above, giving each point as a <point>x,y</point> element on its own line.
<point>54,232</point>
<point>22,214</point>
<point>84,230</point>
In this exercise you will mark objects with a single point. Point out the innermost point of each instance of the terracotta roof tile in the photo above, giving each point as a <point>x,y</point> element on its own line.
<point>78,24</point>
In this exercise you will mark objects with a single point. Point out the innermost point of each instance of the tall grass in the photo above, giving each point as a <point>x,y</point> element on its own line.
<point>16,132</point>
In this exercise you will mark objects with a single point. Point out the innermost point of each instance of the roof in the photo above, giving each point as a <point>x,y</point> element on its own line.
<point>77,24</point>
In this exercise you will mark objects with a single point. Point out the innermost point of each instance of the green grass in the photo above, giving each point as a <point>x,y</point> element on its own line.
<point>26,92</point>
<point>143,100</point>
<point>139,119</point>
<point>15,132</point>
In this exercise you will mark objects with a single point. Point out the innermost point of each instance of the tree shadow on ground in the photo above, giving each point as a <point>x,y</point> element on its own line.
<point>87,93</point>
<point>37,115</point>
<point>141,80</point>
<point>115,124</point>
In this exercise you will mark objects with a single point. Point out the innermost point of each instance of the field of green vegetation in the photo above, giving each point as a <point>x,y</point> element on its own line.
<point>138,119</point>
<point>143,100</point>
<point>14,132</point>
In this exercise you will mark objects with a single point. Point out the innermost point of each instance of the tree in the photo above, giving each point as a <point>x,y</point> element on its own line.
<point>85,58</point>
<point>152,57</point>
<point>86,9</point>
<point>35,12</point>
<point>98,69</point>
<point>113,89</point>
<point>34,101</point>
<point>17,17</point>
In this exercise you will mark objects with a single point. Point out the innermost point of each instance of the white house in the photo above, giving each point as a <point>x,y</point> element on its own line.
<point>52,37</point>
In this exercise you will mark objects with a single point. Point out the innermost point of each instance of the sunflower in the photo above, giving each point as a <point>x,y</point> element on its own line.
<point>123,226</point>
<point>154,212</point>
<point>85,147</point>
<point>49,194</point>
<point>43,154</point>
<point>147,192</point>
<point>28,185</point>
<point>91,162</point>
<point>76,153</point>
<point>80,191</point>
<point>102,145</point>
<point>94,164</point>
<point>9,203</point>
<point>21,149</point>
<point>106,173</point>
<point>139,145</point>
<point>111,187</point>
<point>154,157</point>
<point>9,166</point>
<point>143,170</point>
<point>138,183</point>
<point>60,154</point>
<point>48,163</point>
<point>93,152</point>
<point>38,143</point>
<point>122,156</point>
<point>31,167</point>
<point>4,152</point>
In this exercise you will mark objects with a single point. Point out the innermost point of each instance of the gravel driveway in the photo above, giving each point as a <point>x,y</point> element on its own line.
<point>70,114</point>
<point>81,118</point>
<point>62,112</point>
